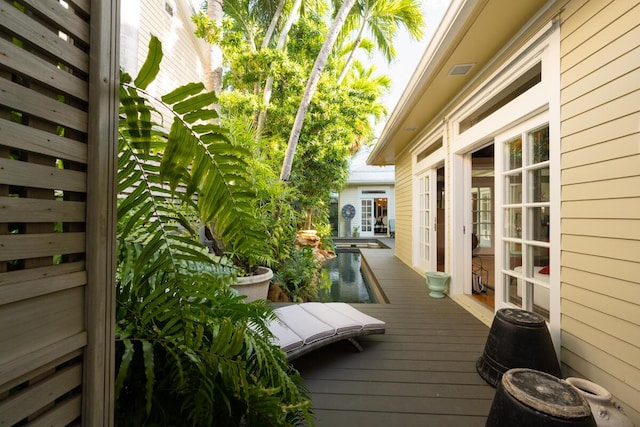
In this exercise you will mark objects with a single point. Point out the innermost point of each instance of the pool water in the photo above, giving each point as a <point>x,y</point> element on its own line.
<point>347,282</point>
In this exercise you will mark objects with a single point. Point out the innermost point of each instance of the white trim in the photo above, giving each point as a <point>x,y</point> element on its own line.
<point>537,106</point>
<point>428,165</point>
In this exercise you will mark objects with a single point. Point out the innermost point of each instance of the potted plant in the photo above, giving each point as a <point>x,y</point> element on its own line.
<point>253,274</point>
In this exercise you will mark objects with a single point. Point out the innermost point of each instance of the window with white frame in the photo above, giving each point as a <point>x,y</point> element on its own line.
<point>525,212</point>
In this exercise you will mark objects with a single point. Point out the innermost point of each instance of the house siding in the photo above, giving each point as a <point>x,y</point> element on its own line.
<point>404,208</point>
<point>600,117</point>
<point>184,54</point>
<point>348,196</point>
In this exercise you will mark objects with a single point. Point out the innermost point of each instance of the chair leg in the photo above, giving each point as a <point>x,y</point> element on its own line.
<point>355,343</point>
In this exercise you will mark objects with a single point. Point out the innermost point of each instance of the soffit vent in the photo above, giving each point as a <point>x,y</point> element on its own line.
<point>460,69</point>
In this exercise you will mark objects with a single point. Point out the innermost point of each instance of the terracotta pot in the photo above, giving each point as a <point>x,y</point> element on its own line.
<point>255,286</point>
<point>605,410</point>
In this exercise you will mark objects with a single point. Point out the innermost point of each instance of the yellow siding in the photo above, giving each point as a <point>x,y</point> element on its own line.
<point>404,209</point>
<point>600,117</point>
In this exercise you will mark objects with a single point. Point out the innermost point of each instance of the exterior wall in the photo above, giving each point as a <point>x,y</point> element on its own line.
<point>600,96</point>
<point>348,196</point>
<point>404,208</point>
<point>184,54</point>
<point>351,196</point>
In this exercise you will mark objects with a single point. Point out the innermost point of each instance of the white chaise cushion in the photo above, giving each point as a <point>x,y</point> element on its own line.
<point>368,322</point>
<point>284,337</point>
<point>340,322</point>
<point>304,324</point>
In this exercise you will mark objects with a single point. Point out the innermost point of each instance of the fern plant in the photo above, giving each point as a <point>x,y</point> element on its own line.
<point>188,350</point>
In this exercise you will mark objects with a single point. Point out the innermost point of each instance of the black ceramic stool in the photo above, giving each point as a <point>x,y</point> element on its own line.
<point>517,339</point>
<point>530,398</point>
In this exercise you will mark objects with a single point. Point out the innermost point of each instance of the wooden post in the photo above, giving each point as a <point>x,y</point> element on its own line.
<point>99,375</point>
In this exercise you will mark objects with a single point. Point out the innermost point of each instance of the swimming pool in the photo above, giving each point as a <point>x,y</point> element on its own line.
<point>348,283</point>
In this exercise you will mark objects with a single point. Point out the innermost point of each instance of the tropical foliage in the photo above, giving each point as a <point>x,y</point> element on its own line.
<point>188,350</point>
<point>337,122</point>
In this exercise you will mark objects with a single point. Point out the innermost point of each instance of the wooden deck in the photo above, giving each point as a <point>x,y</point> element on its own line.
<point>420,373</point>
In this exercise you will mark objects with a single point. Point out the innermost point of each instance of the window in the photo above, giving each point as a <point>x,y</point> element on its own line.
<point>482,215</point>
<point>170,8</point>
<point>526,207</point>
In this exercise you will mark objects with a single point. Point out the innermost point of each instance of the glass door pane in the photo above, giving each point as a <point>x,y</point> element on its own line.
<point>367,217</point>
<point>525,214</point>
<point>424,220</point>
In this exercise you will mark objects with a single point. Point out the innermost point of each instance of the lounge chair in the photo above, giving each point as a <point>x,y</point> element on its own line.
<point>302,328</point>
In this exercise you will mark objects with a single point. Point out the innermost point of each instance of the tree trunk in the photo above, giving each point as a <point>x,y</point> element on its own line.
<point>268,87</point>
<point>272,24</point>
<point>351,57</point>
<point>312,84</point>
<point>214,67</point>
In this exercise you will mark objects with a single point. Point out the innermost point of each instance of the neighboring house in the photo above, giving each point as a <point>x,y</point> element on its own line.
<point>185,55</point>
<point>369,190</point>
<point>529,113</point>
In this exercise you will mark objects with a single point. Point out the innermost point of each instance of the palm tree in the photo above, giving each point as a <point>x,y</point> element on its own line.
<point>214,66</point>
<point>382,19</point>
<point>312,84</point>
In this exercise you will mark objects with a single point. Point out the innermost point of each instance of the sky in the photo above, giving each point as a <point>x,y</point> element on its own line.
<point>409,52</point>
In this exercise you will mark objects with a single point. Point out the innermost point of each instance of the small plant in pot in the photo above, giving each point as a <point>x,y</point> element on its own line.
<point>252,265</point>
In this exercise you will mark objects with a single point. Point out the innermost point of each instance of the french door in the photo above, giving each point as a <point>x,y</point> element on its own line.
<point>367,218</point>
<point>426,218</point>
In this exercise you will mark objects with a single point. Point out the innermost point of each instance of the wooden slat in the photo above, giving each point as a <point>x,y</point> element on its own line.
<point>62,414</point>
<point>80,5</point>
<point>25,138</point>
<point>617,128</point>
<point>46,320</point>
<point>605,267</point>
<point>626,352</point>
<point>24,174</point>
<point>612,89</point>
<point>610,286</point>
<point>604,322</point>
<point>31,399</point>
<point>13,277</point>
<point>44,358</point>
<point>23,246</point>
<point>65,19</point>
<point>23,99</point>
<point>613,110</point>
<point>599,301</point>
<point>613,209</point>
<point>599,36</point>
<point>30,289</point>
<point>601,190</point>
<point>576,84</point>
<point>38,35</point>
<point>16,209</point>
<point>23,62</point>
<point>622,249</point>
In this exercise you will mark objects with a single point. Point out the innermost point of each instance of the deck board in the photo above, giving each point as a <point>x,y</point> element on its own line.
<point>421,372</point>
